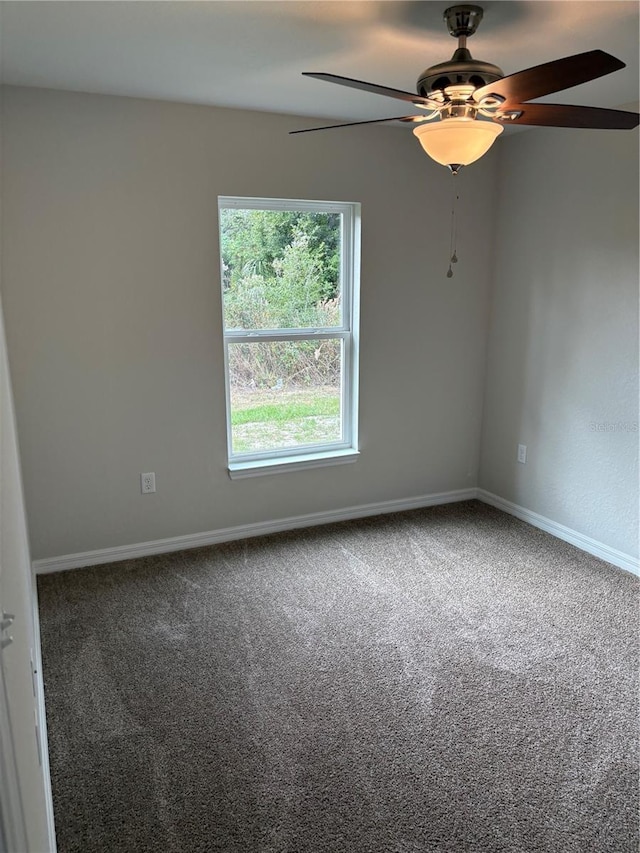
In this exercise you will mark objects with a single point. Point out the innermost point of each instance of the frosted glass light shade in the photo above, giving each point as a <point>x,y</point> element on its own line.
<point>457,141</point>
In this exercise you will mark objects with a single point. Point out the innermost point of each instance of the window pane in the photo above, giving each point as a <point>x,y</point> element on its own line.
<point>280,269</point>
<point>285,394</point>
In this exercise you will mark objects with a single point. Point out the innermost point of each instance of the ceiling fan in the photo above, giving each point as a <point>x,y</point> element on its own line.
<point>471,100</point>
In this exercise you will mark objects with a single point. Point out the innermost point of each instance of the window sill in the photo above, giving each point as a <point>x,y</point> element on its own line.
<point>257,468</point>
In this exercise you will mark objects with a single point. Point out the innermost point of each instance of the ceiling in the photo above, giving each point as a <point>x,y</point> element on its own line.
<point>250,54</point>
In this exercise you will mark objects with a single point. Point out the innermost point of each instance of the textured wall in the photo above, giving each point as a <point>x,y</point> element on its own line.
<point>562,373</point>
<point>112,302</point>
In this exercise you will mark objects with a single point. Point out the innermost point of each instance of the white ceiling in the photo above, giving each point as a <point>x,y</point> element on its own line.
<point>249,53</point>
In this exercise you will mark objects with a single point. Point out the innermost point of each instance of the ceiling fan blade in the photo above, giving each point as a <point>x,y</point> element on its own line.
<point>371,87</point>
<point>355,123</point>
<point>566,115</point>
<point>551,77</point>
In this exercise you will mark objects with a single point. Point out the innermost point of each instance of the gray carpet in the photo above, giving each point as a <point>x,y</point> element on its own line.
<point>435,681</point>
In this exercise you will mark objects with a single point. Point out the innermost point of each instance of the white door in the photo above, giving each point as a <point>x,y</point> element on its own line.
<point>26,818</point>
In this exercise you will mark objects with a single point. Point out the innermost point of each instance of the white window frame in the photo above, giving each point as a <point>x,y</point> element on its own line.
<point>248,464</point>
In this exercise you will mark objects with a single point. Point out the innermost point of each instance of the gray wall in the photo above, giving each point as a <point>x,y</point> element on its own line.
<point>111,292</point>
<point>562,373</point>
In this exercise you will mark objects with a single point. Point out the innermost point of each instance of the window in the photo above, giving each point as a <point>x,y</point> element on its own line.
<point>290,274</point>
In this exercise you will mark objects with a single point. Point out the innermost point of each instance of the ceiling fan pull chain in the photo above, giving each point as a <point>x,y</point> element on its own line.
<point>453,240</point>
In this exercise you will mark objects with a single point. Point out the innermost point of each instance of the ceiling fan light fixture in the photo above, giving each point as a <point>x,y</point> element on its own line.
<point>456,142</point>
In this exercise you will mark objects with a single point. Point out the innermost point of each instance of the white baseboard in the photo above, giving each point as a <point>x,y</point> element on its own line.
<point>244,531</point>
<point>585,543</point>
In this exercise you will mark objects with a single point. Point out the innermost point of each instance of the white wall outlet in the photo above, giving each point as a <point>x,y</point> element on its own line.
<point>522,453</point>
<point>147,483</point>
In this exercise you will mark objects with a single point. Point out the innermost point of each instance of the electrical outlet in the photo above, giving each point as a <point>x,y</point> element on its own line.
<point>522,453</point>
<point>147,483</point>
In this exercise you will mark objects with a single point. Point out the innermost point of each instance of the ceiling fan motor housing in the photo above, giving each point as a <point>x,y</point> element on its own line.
<point>460,70</point>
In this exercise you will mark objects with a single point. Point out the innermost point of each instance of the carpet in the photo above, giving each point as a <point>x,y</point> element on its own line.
<point>434,681</point>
